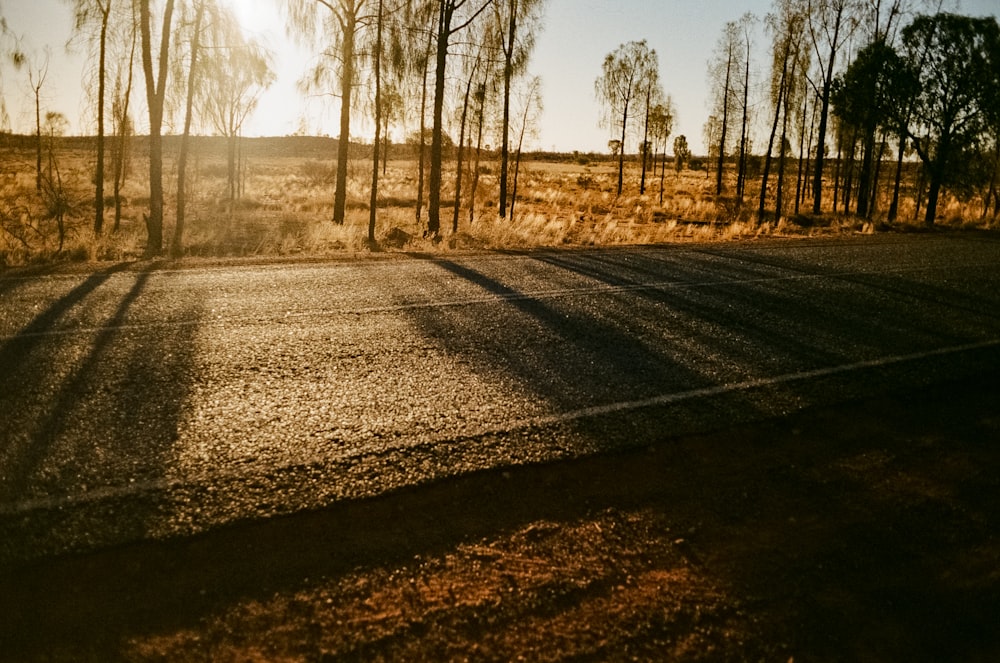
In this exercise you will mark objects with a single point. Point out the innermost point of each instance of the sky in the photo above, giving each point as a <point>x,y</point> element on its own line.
<point>576,36</point>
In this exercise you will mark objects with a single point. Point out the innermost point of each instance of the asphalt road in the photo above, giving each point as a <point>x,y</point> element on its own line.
<point>154,401</point>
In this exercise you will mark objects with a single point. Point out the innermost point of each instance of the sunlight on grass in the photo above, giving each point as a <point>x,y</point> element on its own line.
<point>286,206</point>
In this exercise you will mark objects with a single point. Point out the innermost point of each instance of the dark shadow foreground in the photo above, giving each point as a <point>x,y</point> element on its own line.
<point>863,531</point>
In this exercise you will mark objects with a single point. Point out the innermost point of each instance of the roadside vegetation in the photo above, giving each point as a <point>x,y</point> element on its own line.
<point>284,202</point>
<point>824,116</point>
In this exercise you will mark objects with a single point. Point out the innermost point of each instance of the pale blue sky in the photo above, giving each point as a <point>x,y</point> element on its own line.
<point>577,35</point>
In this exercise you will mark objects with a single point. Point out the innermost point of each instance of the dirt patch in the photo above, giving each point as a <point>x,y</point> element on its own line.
<point>862,531</point>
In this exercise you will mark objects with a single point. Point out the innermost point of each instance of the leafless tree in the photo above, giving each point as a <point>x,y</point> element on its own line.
<point>38,71</point>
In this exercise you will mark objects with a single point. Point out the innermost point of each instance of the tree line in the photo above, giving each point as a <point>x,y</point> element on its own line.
<point>389,60</point>
<point>854,77</point>
<point>878,83</point>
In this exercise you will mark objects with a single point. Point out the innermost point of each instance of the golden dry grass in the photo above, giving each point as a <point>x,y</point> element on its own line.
<point>287,204</point>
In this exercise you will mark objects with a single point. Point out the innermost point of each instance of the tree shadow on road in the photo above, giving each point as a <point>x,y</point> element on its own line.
<point>864,531</point>
<point>88,411</point>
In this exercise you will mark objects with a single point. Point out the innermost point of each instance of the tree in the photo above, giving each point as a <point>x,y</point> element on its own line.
<point>828,28</point>
<point>53,193</point>
<point>747,22</point>
<point>532,103</point>
<point>454,16</point>
<point>93,18</point>
<point>722,69</point>
<point>474,66</point>
<point>956,60</point>
<point>626,74</point>
<point>682,153</point>
<point>424,68</point>
<point>377,66</point>
<point>194,62</point>
<point>342,21</point>
<point>38,71</point>
<point>122,127</point>
<point>156,85</point>
<point>661,126</point>
<point>653,94</point>
<point>515,23</point>
<point>239,70</point>
<point>786,28</point>
<point>480,118</point>
<point>866,98</point>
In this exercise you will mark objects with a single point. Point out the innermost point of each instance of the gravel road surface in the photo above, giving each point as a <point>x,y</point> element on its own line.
<point>159,400</point>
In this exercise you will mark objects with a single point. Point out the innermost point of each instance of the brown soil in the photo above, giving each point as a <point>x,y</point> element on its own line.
<point>861,532</point>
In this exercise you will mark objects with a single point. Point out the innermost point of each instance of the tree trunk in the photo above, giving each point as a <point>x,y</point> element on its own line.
<point>936,169</point>
<point>865,176</point>
<point>349,25</point>
<point>231,167</point>
<point>155,90</point>
<point>848,186</point>
<point>742,168</point>
<point>725,126</point>
<point>993,180</point>
<point>933,194</point>
<point>373,202</point>
<point>461,149</point>
<point>897,182</point>
<point>507,74</point>
<point>177,246</point>
<point>876,177</point>
<point>770,142</point>
<point>643,150</point>
<point>422,150</point>
<point>520,143</point>
<point>824,118</point>
<point>802,154</point>
<point>437,129</point>
<point>38,140</point>
<point>123,138</point>
<point>779,203</point>
<point>820,148</point>
<point>99,170</point>
<point>481,97</point>
<point>621,151</point>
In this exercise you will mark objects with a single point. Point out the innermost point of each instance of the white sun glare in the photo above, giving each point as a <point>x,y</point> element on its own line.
<point>254,16</point>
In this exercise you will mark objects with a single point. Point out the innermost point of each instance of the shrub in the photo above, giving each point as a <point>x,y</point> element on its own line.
<point>318,173</point>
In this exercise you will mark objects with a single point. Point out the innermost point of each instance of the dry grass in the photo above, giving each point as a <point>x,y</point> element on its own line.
<point>286,209</point>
